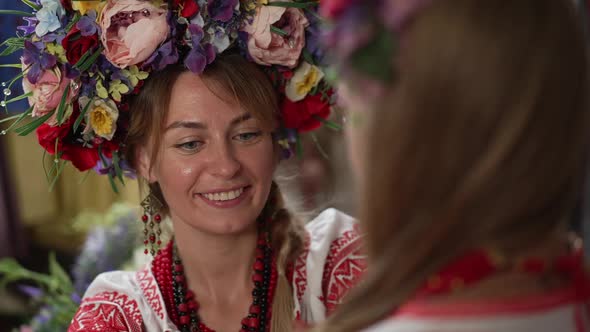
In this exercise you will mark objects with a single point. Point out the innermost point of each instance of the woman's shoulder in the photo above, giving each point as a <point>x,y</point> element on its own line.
<point>331,263</point>
<point>332,228</point>
<point>124,300</point>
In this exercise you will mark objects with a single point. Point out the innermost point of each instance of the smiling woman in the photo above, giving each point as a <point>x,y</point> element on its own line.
<point>204,146</point>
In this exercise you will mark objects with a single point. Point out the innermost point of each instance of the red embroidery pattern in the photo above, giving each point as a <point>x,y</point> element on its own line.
<point>150,289</point>
<point>300,275</point>
<point>344,266</point>
<point>108,312</point>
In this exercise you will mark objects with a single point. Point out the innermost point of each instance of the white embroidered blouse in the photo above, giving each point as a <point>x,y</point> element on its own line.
<point>329,266</point>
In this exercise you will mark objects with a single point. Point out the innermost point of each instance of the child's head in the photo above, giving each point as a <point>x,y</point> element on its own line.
<point>477,139</point>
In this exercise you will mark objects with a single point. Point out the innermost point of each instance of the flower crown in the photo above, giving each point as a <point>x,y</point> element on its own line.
<point>81,60</point>
<point>364,36</point>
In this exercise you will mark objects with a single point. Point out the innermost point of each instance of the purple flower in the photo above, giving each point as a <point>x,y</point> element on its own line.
<point>221,10</point>
<point>87,24</point>
<point>32,292</point>
<point>109,168</point>
<point>76,298</point>
<point>165,55</point>
<point>30,27</point>
<point>36,60</point>
<point>200,55</point>
<point>52,37</point>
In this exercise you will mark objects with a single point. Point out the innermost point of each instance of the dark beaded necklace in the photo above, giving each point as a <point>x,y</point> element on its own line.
<point>182,305</point>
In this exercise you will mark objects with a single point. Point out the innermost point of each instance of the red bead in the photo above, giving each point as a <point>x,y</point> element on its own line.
<point>178,268</point>
<point>152,238</point>
<point>258,277</point>
<point>144,218</point>
<point>259,253</point>
<point>258,266</point>
<point>189,295</point>
<point>184,320</point>
<point>179,279</point>
<point>158,218</point>
<point>193,305</point>
<point>145,242</point>
<point>254,309</point>
<point>261,241</point>
<point>253,323</point>
<point>182,307</point>
<point>159,242</point>
<point>145,251</point>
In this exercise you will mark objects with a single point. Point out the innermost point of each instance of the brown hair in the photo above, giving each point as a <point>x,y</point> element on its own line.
<point>230,76</point>
<point>486,130</point>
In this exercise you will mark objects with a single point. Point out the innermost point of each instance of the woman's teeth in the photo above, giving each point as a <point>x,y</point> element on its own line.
<point>224,196</point>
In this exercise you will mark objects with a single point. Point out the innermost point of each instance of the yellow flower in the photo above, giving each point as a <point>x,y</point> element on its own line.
<point>116,88</point>
<point>84,6</point>
<point>253,4</point>
<point>101,91</point>
<point>135,75</point>
<point>57,50</point>
<point>101,118</point>
<point>305,78</point>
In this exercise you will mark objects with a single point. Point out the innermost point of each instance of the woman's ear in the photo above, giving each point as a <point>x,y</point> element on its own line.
<point>144,164</point>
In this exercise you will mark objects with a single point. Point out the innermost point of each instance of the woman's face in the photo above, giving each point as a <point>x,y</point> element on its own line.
<point>215,163</point>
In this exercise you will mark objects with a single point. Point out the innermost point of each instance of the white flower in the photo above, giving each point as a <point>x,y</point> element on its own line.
<point>49,17</point>
<point>305,78</point>
<point>101,117</point>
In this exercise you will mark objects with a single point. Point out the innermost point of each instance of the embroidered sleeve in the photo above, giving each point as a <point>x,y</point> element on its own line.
<point>108,312</point>
<point>344,267</point>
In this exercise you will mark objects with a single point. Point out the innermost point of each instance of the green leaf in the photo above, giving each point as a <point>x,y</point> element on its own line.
<point>278,31</point>
<point>15,12</point>
<point>370,59</point>
<point>23,96</point>
<point>56,271</point>
<point>11,118</point>
<point>12,65</point>
<point>307,56</point>
<point>62,106</point>
<point>81,116</point>
<point>328,123</point>
<point>31,4</point>
<point>113,184</point>
<point>82,59</point>
<point>88,63</point>
<point>31,126</point>
<point>319,146</point>
<point>60,168</point>
<point>118,170</point>
<point>9,50</point>
<point>21,118</point>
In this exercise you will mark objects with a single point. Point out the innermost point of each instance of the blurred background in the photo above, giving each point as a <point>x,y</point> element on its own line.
<point>91,229</point>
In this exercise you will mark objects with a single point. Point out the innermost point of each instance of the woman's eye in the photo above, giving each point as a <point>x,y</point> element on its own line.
<point>248,137</point>
<point>190,146</point>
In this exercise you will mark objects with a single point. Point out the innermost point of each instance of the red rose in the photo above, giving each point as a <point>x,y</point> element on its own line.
<point>333,8</point>
<point>83,158</point>
<point>306,114</point>
<point>67,4</point>
<point>189,7</point>
<point>77,45</point>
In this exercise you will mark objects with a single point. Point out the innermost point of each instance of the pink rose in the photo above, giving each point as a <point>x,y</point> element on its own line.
<point>47,93</point>
<point>132,30</point>
<point>269,48</point>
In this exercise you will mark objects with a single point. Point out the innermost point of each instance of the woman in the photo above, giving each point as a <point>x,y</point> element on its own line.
<point>206,149</point>
<point>484,108</point>
<point>202,99</point>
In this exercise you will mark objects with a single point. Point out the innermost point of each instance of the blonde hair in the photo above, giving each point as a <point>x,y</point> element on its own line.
<point>229,76</point>
<point>487,131</point>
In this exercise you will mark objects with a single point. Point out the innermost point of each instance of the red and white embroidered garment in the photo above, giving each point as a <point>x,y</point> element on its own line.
<point>560,311</point>
<point>330,265</point>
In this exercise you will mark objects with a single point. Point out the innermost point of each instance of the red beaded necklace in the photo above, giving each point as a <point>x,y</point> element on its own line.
<point>182,305</point>
<point>478,265</point>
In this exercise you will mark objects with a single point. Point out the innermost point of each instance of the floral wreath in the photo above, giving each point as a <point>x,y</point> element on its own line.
<point>81,60</point>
